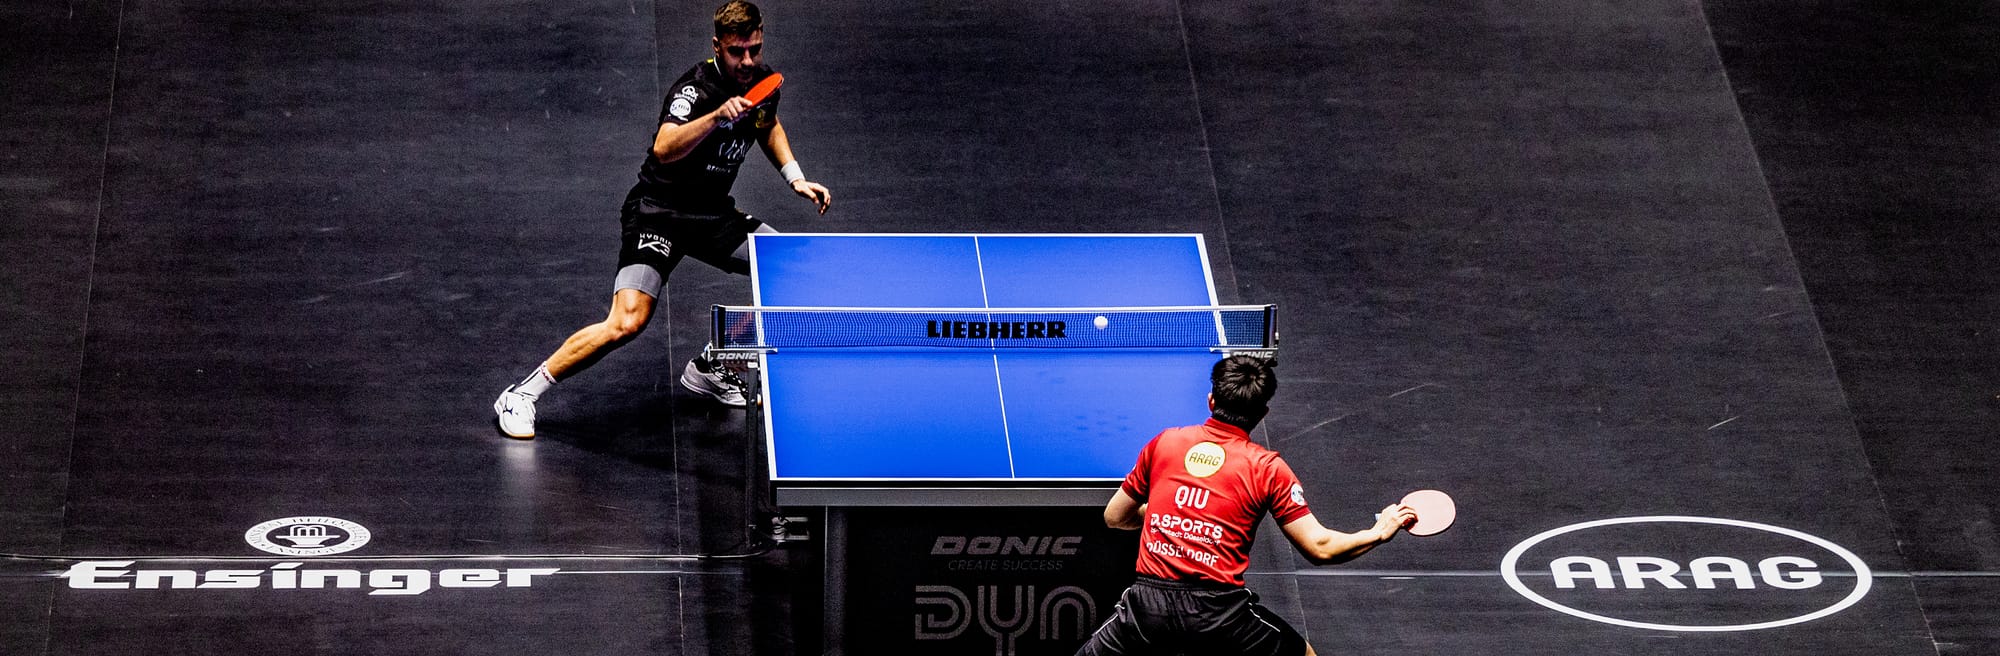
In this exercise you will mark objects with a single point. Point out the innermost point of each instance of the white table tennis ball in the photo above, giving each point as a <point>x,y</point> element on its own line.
<point>1101,322</point>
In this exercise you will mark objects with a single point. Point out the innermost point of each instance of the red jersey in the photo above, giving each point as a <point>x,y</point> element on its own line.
<point>1205,488</point>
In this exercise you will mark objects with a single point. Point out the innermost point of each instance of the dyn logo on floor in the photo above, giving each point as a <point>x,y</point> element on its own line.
<point>298,536</point>
<point>1678,573</point>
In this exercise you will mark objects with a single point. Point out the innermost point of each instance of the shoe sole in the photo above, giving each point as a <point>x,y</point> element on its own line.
<point>503,431</point>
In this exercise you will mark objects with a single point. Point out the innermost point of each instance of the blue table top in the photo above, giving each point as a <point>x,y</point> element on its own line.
<point>967,417</point>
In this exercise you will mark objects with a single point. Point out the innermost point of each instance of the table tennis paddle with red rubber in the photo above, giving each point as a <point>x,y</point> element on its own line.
<point>757,95</point>
<point>1435,512</point>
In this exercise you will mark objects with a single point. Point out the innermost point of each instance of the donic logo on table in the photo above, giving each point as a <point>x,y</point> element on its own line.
<point>1678,573</point>
<point>295,536</point>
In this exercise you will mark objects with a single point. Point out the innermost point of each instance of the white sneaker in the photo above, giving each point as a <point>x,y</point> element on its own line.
<point>516,413</point>
<point>721,385</point>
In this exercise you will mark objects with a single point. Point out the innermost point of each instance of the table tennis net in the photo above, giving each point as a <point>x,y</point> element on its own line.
<point>1217,327</point>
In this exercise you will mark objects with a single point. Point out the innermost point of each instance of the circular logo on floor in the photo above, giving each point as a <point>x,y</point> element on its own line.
<point>1674,573</point>
<point>307,536</point>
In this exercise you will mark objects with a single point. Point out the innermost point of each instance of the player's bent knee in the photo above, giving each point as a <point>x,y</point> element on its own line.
<point>624,327</point>
<point>631,310</point>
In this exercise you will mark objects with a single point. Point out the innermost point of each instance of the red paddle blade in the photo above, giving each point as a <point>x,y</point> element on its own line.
<point>763,89</point>
<point>1435,512</point>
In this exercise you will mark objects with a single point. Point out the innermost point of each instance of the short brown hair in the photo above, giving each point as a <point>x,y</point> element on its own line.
<point>1242,386</point>
<point>738,19</point>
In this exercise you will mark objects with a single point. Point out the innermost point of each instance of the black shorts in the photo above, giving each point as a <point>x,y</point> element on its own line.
<point>1157,616</point>
<point>658,236</point>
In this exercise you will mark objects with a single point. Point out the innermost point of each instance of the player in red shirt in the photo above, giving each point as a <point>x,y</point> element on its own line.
<point>1197,494</point>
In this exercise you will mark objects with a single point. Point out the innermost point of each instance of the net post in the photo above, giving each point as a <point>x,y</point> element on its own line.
<point>716,319</point>
<point>1270,326</point>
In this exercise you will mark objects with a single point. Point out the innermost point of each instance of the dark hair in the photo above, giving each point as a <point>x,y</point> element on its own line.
<point>738,19</point>
<point>1242,386</point>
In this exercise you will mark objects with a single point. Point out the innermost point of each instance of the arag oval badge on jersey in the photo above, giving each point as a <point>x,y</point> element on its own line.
<point>1203,459</point>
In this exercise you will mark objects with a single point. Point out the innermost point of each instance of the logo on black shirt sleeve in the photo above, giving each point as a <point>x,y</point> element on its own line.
<point>683,103</point>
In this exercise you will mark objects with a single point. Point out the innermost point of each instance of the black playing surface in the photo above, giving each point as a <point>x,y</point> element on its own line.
<point>1725,260</point>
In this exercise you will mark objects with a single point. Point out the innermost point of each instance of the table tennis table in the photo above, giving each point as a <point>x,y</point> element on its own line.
<point>1022,416</point>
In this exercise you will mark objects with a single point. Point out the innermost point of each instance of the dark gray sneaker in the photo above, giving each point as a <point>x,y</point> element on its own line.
<point>720,384</point>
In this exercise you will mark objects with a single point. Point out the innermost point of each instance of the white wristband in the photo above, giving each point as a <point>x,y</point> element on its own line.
<point>792,173</point>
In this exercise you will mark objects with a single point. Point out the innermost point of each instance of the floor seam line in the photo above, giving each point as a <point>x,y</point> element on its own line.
<point>1208,156</point>
<point>89,290</point>
<point>1770,199</point>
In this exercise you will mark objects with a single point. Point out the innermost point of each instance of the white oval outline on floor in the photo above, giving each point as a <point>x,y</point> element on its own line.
<point>1864,578</point>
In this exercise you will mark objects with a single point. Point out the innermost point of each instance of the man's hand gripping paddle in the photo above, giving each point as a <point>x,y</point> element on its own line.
<point>1435,512</point>
<point>757,95</point>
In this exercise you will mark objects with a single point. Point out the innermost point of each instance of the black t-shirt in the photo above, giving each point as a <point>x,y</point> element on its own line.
<point>704,176</point>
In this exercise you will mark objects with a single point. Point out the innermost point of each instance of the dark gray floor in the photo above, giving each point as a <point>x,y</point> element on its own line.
<point>1554,260</point>
<point>1878,127</point>
<point>1568,261</point>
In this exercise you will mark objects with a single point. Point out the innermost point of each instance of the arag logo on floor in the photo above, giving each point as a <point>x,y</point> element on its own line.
<point>1678,573</point>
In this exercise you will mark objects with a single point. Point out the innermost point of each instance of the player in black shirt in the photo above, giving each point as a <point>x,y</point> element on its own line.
<point>681,207</point>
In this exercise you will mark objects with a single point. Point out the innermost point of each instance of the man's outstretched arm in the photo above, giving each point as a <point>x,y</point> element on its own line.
<point>1325,546</point>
